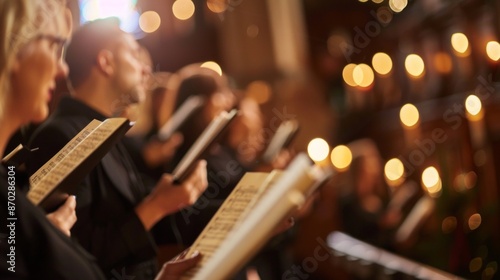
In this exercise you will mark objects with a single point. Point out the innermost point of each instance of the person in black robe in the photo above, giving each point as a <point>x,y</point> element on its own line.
<point>115,210</point>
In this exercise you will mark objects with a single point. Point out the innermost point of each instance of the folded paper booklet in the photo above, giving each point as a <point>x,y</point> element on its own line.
<point>181,115</point>
<point>283,137</point>
<point>246,220</point>
<point>201,145</point>
<point>60,176</point>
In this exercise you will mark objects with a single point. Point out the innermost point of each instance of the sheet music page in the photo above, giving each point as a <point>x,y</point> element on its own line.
<point>50,175</point>
<point>49,165</point>
<point>251,234</point>
<point>231,211</point>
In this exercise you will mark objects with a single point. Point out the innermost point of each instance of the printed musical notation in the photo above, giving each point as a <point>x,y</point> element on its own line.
<point>74,160</point>
<point>232,211</point>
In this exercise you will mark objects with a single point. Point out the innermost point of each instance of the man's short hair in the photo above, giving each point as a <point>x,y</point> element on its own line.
<point>85,44</point>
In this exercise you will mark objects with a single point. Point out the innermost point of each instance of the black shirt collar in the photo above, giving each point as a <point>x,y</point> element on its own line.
<point>69,107</point>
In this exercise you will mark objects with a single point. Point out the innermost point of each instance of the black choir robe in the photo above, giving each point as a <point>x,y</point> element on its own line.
<point>41,251</point>
<point>107,225</point>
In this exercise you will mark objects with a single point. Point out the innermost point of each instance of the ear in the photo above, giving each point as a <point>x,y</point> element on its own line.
<point>105,62</point>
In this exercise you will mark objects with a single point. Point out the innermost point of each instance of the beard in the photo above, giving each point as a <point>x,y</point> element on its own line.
<point>132,96</point>
<point>136,95</point>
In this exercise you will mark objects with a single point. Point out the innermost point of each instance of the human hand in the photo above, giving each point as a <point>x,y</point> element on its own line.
<point>282,159</point>
<point>174,269</point>
<point>65,216</point>
<point>158,152</point>
<point>167,198</point>
<point>286,224</point>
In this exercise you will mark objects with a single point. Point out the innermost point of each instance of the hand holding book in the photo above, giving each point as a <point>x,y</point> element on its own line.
<point>204,141</point>
<point>60,176</point>
<point>65,216</point>
<point>168,197</point>
<point>249,216</point>
<point>187,182</point>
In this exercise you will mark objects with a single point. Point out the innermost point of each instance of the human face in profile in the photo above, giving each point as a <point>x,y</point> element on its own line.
<point>34,73</point>
<point>130,71</point>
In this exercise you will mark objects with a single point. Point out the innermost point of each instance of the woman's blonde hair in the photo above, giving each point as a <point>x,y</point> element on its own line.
<point>20,22</point>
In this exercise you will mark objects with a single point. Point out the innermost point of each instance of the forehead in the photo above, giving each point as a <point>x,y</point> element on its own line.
<point>57,26</point>
<point>126,40</point>
<point>56,18</point>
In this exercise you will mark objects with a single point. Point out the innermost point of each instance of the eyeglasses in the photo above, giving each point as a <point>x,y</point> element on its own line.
<point>57,44</point>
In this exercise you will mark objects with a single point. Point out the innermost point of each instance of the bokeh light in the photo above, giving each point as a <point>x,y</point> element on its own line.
<point>398,5</point>
<point>460,43</point>
<point>259,91</point>
<point>394,169</point>
<point>493,50</point>
<point>443,62</point>
<point>449,224</point>
<point>474,221</point>
<point>431,181</point>
<point>409,115</point>
<point>382,63</point>
<point>465,181</point>
<point>341,157</point>
<point>318,149</point>
<point>183,9</point>
<point>430,177</point>
<point>217,6</point>
<point>363,75</point>
<point>149,21</point>
<point>475,264</point>
<point>212,65</point>
<point>414,65</point>
<point>347,74</point>
<point>473,105</point>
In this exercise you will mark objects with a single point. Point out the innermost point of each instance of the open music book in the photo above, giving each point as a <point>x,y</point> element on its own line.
<point>247,218</point>
<point>200,146</point>
<point>60,176</point>
<point>281,139</point>
<point>180,116</point>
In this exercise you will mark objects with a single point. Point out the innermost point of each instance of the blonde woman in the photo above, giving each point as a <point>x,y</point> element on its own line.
<point>32,36</point>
